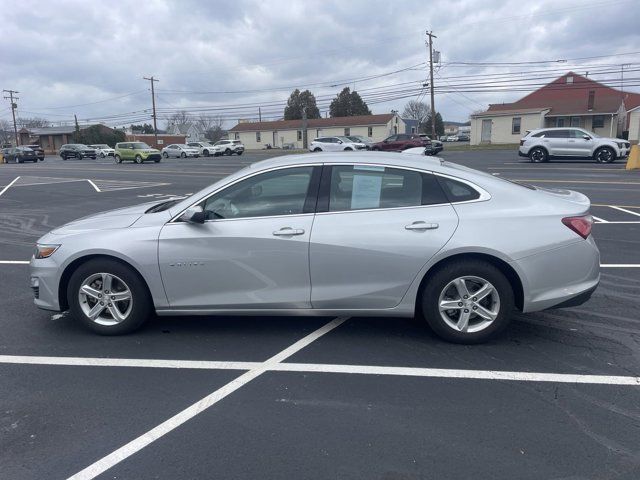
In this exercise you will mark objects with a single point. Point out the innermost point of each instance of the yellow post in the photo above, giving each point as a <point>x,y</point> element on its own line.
<point>633,162</point>
<point>1,157</point>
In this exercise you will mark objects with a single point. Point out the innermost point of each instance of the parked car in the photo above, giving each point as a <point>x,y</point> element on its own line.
<point>401,141</point>
<point>76,150</point>
<point>452,138</point>
<point>137,152</point>
<point>442,138</point>
<point>355,144</point>
<point>435,147</point>
<point>463,137</point>
<point>103,150</point>
<point>361,139</point>
<point>545,143</point>
<point>333,144</point>
<point>176,150</point>
<point>39,151</point>
<point>378,234</point>
<point>206,149</point>
<point>19,155</point>
<point>229,147</point>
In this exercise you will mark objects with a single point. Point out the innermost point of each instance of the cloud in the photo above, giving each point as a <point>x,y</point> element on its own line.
<point>59,54</point>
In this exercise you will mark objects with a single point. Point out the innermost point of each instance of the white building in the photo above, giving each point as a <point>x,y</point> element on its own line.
<point>190,130</point>
<point>571,100</point>
<point>288,133</point>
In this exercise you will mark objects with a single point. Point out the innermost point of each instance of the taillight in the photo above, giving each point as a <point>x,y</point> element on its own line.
<point>521,142</point>
<point>580,225</point>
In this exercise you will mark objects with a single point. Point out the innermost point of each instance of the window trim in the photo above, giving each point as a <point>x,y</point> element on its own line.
<point>326,172</point>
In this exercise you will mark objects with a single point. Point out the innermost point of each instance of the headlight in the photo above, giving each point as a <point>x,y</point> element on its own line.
<point>45,251</point>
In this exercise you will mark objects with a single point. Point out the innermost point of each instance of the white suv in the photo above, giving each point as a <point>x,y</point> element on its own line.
<point>335,144</point>
<point>545,143</point>
<point>206,148</point>
<point>229,147</point>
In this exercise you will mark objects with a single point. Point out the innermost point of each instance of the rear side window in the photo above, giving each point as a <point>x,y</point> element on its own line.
<point>457,191</point>
<point>371,187</point>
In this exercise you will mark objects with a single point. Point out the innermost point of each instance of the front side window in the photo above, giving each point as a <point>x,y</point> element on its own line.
<point>280,192</point>
<point>515,125</point>
<point>365,187</point>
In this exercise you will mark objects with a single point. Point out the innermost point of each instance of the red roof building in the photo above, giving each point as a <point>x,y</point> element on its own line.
<point>571,100</point>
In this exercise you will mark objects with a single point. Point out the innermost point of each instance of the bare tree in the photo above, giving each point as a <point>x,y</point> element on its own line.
<point>417,111</point>
<point>32,122</point>
<point>6,131</point>
<point>211,126</point>
<point>178,118</point>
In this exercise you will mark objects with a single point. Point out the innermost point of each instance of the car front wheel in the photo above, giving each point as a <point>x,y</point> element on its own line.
<point>117,159</point>
<point>108,297</point>
<point>605,155</point>
<point>183,155</point>
<point>467,301</point>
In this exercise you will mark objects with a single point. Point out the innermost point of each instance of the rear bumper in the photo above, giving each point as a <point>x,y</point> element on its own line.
<point>523,152</point>
<point>564,276</point>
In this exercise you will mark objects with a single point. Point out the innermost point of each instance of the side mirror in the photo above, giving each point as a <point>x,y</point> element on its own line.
<point>193,214</point>
<point>340,141</point>
<point>586,137</point>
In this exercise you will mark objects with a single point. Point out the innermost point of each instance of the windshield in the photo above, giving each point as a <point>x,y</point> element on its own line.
<point>345,139</point>
<point>102,145</point>
<point>140,145</point>
<point>355,139</point>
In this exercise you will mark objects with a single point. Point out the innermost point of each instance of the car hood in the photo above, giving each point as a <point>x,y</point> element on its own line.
<point>112,219</point>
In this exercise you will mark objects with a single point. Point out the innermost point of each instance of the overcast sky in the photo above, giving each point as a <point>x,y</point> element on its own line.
<point>63,55</point>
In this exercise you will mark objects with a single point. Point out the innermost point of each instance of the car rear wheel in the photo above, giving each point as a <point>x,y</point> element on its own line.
<point>348,149</point>
<point>108,297</point>
<point>467,301</point>
<point>317,149</point>
<point>205,153</point>
<point>20,160</point>
<point>538,155</point>
<point>138,159</point>
<point>227,151</point>
<point>605,155</point>
<point>63,157</point>
<point>183,155</point>
<point>165,155</point>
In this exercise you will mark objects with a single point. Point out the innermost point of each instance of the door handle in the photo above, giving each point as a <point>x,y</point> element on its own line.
<point>421,226</point>
<point>288,231</point>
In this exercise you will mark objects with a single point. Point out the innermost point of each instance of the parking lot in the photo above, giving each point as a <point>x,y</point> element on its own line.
<point>556,397</point>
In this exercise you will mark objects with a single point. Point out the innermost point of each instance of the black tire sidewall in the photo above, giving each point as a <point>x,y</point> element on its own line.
<point>450,271</point>
<point>141,300</point>
<point>138,159</point>
<point>544,158</point>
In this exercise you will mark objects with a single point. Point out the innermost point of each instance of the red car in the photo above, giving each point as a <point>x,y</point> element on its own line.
<point>401,141</point>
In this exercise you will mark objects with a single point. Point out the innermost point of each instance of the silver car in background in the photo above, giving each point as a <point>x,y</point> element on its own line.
<point>359,234</point>
<point>180,151</point>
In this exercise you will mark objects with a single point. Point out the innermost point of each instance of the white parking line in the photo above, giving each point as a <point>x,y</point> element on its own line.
<point>93,185</point>
<point>274,364</point>
<point>625,210</point>
<point>8,186</point>
<point>14,262</point>
<point>620,265</point>
<point>167,426</point>
<point>599,220</point>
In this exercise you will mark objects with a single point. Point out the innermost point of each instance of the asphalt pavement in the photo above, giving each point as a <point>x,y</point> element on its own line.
<point>556,397</point>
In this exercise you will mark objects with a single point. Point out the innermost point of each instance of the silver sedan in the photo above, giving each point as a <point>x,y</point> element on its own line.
<point>367,233</point>
<point>176,150</point>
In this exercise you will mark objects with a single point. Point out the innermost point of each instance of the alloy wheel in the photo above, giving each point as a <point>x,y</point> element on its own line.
<point>105,299</point>
<point>604,155</point>
<point>469,304</point>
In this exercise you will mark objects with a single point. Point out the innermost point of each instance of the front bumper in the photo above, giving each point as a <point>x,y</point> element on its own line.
<point>44,281</point>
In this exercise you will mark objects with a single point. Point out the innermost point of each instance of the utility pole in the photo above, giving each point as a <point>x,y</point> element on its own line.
<point>259,114</point>
<point>153,103</point>
<point>304,127</point>
<point>433,108</point>
<point>14,105</point>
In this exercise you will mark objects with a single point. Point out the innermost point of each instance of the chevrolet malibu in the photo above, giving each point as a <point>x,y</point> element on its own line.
<point>359,234</point>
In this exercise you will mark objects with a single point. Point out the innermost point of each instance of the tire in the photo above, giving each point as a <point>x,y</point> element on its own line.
<point>604,155</point>
<point>79,156</point>
<point>317,149</point>
<point>133,312</point>
<point>205,153</point>
<point>63,157</point>
<point>183,155</point>
<point>157,160</point>
<point>348,149</point>
<point>239,153</point>
<point>138,159</point>
<point>117,159</point>
<point>227,151</point>
<point>165,155</point>
<point>20,160</point>
<point>475,273</point>
<point>102,155</point>
<point>538,155</point>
